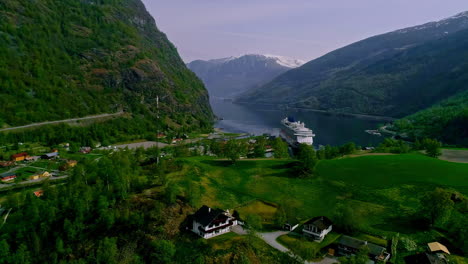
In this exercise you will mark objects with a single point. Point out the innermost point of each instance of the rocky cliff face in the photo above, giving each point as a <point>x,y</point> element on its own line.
<point>62,59</point>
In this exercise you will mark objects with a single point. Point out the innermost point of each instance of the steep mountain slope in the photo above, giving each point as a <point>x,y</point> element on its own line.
<point>446,121</point>
<point>63,59</point>
<point>228,77</point>
<point>393,74</point>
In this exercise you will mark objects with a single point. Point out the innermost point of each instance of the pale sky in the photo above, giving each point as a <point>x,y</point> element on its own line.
<point>302,29</point>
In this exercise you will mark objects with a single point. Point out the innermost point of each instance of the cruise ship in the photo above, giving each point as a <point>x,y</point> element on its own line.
<point>295,132</point>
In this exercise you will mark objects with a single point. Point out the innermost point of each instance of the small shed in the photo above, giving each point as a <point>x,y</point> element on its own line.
<point>290,225</point>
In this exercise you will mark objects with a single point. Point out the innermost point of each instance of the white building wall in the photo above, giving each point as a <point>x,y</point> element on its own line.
<point>218,232</point>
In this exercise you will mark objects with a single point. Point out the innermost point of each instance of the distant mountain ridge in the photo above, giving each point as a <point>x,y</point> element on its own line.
<point>393,74</point>
<point>227,77</point>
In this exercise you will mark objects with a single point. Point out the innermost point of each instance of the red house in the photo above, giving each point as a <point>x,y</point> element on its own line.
<point>8,177</point>
<point>20,156</point>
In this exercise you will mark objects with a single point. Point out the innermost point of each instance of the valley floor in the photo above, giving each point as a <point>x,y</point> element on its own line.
<point>383,191</point>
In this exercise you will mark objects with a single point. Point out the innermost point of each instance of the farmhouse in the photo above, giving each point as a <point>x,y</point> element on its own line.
<point>39,193</point>
<point>85,150</point>
<point>72,163</point>
<point>51,155</point>
<point>44,174</point>
<point>317,228</point>
<point>8,177</point>
<point>20,156</point>
<point>208,222</point>
<point>5,164</point>
<point>33,158</point>
<point>348,246</point>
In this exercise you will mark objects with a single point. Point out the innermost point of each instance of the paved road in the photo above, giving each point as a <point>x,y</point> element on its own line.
<point>61,121</point>
<point>270,239</point>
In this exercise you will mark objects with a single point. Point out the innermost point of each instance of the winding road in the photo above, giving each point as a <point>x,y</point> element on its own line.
<point>270,239</point>
<point>62,121</point>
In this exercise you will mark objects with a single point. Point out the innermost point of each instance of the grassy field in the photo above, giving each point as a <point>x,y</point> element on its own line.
<point>385,190</point>
<point>265,210</point>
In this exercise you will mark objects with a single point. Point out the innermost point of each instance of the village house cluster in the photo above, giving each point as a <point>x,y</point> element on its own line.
<point>24,158</point>
<point>208,223</point>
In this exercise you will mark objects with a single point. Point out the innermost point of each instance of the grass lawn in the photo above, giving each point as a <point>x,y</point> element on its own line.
<point>299,244</point>
<point>372,239</point>
<point>47,165</point>
<point>267,211</point>
<point>26,172</point>
<point>79,156</point>
<point>385,190</point>
<point>224,241</point>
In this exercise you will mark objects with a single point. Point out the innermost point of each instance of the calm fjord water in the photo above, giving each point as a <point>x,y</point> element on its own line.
<point>329,129</point>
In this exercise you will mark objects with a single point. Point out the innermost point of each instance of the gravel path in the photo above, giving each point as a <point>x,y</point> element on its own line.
<point>270,239</point>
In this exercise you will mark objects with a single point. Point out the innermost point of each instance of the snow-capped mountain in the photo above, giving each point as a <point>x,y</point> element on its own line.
<point>227,77</point>
<point>286,61</point>
<point>392,74</point>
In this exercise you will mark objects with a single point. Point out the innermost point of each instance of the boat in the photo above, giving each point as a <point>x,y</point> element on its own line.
<point>295,132</point>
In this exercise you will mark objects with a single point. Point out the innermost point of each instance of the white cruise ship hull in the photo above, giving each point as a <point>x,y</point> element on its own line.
<point>296,133</point>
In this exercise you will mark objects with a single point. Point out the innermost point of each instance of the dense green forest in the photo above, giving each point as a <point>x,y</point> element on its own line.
<point>102,215</point>
<point>446,121</point>
<point>65,59</point>
<point>394,74</point>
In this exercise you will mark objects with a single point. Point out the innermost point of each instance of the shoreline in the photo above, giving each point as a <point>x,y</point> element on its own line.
<point>371,117</point>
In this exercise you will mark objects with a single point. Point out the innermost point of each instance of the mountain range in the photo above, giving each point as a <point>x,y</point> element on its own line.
<point>393,74</point>
<point>228,77</point>
<point>66,59</point>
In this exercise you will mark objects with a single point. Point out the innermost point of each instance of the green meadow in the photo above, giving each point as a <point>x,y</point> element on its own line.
<point>384,190</point>
<point>381,185</point>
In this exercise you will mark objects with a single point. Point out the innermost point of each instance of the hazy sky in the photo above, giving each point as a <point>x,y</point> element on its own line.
<point>302,29</point>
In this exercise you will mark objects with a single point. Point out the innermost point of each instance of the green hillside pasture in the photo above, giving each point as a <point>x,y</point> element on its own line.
<point>384,190</point>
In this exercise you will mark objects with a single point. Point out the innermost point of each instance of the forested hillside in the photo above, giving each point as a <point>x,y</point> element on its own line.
<point>64,59</point>
<point>118,208</point>
<point>446,121</point>
<point>394,74</point>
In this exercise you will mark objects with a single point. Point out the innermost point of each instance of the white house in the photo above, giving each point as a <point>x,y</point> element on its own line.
<point>208,222</point>
<point>317,227</point>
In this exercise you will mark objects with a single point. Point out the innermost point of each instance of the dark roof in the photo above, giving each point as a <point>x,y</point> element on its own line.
<point>205,215</point>
<point>52,154</point>
<point>375,249</point>
<point>321,222</point>
<point>7,175</point>
<point>351,242</point>
<point>355,243</point>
